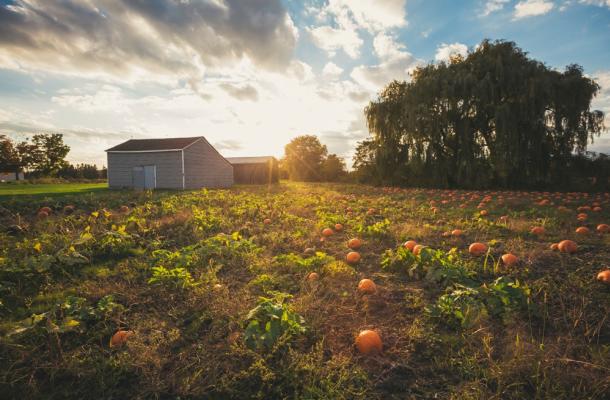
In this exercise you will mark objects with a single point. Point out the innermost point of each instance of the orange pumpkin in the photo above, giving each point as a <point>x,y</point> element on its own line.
<point>354,243</point>
<point>267,221</point>
<point>313,276</point>
<point>369,342</point>
<point>537,230</point>
<point>124,209</point>
<point>477,249</point>
<point>367,286</point>
<point>327,232</point>
<point>603,228</point>
<point>456,232</point>
<point>410,244</point>
<point>604,277</point>
<point>554,246</point>
<point>417,249</point>
<point>483,213</point>
<point>42,214</point>
<point>46,210</point>
<point>120,338</point>
<point>567,246</point>
<point>352,257</point>
<point>338,227</point>
<point>582,230</point>
<point>509,259</point>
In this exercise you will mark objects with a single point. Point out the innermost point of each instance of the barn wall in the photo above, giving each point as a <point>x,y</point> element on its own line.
<point>205,167</point>
<point>169,168</point>
<point>256,173</point>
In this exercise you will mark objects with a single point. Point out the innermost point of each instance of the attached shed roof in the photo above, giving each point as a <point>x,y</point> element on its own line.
<point>250,160</point>
<point>169,144</point>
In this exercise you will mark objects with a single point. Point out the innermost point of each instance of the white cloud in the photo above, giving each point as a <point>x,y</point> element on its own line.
<point>395,63</point>
<point>333,39</point>
<point>332,70</point>
<point>373,15</point>
<point>130,40</point>
<point>445,51</point>
<point>530,8</point>
<point>599,3</point>
<point>492,6</point>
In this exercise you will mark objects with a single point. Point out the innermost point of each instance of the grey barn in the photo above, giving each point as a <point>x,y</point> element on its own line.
<point>176,163</point>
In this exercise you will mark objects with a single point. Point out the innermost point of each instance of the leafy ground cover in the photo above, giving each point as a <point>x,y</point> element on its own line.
<point>214,293</point>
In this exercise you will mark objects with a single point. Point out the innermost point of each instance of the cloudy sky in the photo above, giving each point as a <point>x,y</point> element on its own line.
<point>251,74</point>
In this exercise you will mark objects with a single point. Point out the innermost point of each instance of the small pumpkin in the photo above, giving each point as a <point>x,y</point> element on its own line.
<point>367,286</point>
<point>554,246</point>
<point>477,249</point>
<point>603,228</point>
<point>354,243</point>
<point>417,249</point>
<point>120,338</point>
<point>46,210</point>
<point>124,209</point>
<point>369,342</point>
<point>313,276</point>
<point>604,277</point>
<point>457,232</point>
<point>537,230</point>
<point>410,244</point>
<point>338,227</point>
<point>327,232</point>
<point>567,246</point>
<point>509,259</point>
<point>352,257</point>
<point>267,221</point>
<point>582,230</point>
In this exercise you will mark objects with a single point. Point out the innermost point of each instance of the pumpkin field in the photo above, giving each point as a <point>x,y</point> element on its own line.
<point>305,291</point>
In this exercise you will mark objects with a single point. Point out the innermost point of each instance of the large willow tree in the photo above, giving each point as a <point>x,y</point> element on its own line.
<point>494,118</point>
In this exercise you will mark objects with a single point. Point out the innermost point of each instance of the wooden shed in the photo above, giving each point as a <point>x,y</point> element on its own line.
<point>255,170</point>
<point>176,163</point>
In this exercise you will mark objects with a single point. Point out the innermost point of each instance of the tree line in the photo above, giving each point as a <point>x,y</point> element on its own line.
<point>43,155</point>
<point>306,159</point>
<point>495,118</point>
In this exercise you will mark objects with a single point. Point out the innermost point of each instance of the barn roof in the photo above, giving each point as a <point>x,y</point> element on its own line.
<point>249,160</point>
<point>169,144</point>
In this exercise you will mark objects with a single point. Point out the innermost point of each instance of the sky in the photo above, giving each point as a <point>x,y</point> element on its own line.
<point>250,75</point>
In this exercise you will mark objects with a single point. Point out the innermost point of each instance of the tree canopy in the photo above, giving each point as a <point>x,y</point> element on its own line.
<point>493,118</point>
<point>306,159</point>
<point>44,154</point>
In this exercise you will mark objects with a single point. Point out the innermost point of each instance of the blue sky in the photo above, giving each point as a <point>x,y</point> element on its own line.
<point>250,75</point>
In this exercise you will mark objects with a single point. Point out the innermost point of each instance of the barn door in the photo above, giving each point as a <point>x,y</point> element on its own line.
<point>150,176</point>
<point>138,177</point>
<point>145,177</point>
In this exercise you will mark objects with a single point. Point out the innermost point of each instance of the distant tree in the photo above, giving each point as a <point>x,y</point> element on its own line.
<point>81,171</point>
<point>9,157</point>
<point>364,164</point>
<point>333,168</point>
<point>30,155</point>
<point>303,158</point>
<point>492,118</point>
<point>51,153</point>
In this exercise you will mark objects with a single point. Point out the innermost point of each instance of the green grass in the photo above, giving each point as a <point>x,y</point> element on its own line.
<point>49,189</point>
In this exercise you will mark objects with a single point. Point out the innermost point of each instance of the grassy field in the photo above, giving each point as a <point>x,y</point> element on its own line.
<point>214,293</point>
<point>51,189</point>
